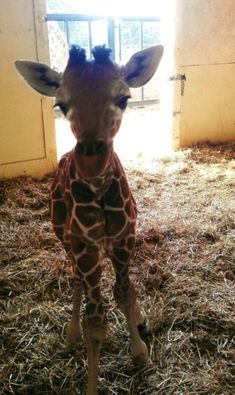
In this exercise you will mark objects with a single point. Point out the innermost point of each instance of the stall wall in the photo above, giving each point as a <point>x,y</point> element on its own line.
<point>205,53</point>
<point>27,137</point>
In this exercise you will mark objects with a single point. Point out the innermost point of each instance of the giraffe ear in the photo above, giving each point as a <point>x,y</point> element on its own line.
<point>142,66</point>
<point>39,76</point>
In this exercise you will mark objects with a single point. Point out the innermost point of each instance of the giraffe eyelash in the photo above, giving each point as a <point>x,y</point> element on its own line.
<point>122,102</point>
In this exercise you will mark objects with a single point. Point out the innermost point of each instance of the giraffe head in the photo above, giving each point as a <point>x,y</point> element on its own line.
<point>93,95</point>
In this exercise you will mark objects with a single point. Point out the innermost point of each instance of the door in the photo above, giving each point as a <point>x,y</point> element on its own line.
<point>26,123</point>
<point>204,77</point>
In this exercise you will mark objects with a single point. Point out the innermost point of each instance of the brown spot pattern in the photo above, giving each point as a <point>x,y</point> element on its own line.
<point>81,194</point>
<point>56,194</point>
<point>114,222</point>
<point>112,197</point>
<point>87,262</point>
<point>77,245</point>
<point>94,277</point>
<point>89,215</point>
<point>90,308</point>
<point>58,213</point>
<point>75,228</point>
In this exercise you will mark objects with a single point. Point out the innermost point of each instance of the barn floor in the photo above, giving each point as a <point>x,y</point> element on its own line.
<point>184,268</point>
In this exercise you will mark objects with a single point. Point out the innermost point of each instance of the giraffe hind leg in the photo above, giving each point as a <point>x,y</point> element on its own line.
<point>135,320</point>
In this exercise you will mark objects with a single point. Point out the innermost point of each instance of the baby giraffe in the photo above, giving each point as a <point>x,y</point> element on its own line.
<point>93,211</point>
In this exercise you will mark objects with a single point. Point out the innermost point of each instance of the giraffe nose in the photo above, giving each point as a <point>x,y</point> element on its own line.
<point>91,148</point>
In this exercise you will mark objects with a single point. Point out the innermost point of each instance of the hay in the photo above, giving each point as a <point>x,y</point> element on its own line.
<point>184,268</point>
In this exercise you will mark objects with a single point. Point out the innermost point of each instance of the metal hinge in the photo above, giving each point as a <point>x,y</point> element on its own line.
<point>181,78</point>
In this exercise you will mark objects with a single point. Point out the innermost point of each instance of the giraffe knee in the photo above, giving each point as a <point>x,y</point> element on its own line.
<point>95,328</point>
<point>124,296</point>
<point>73,333</point>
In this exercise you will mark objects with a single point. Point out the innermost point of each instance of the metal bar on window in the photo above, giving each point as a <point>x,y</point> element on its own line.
<point>72,17</point>
<point>67,31</point>
<point>147,19</point>
<point>89,36</point>
<point>141,46</point>
<point>111,36</point>
<point>120,40</point>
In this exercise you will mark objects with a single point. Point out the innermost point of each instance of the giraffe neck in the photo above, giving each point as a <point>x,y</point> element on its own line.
<point>99,184</point>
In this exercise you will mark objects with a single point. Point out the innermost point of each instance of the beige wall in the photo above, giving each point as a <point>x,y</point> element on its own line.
<point>27,138</point>
<point>205,53</point>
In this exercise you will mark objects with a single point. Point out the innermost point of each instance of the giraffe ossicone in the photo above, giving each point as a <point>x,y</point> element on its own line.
<point>93,210</point>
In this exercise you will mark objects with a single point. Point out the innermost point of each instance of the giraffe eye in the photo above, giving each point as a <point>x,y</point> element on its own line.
<point>122,102</point>
<point>62,107</point>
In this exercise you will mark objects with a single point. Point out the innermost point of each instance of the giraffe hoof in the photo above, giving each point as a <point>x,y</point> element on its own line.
<point>141,359</point>
<point>140,353</point>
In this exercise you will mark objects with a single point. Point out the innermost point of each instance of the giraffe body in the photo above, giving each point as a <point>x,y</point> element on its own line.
<point>93,210</point>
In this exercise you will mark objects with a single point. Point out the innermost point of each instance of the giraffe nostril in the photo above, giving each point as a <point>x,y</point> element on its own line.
<point>101,147</point>
<point>79,148</point>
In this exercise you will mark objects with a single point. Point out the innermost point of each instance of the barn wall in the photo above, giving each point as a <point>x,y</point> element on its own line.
<point>205,53</point>
<point>26,123</point>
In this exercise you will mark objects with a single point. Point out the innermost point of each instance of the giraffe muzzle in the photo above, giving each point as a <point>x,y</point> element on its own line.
<point>93,158</point>
<point>91,148</point>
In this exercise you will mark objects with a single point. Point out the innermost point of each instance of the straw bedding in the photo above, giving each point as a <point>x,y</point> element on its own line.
<point>183,267</point>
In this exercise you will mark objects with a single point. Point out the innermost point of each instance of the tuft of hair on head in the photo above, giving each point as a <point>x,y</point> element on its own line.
<point>101,54</point>
<point>77,56</point>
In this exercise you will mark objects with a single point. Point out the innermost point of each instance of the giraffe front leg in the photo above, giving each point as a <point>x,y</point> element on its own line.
<point>95,332</point>
<point>94,322</point>
<point>126,300</point>
<point>73,330</point>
